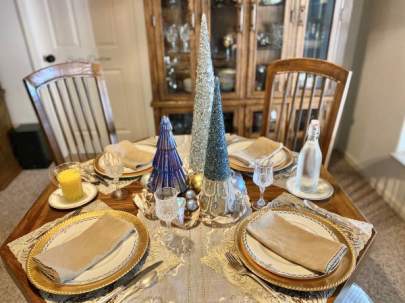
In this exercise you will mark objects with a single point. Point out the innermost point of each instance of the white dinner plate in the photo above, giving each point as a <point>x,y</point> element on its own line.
<point>56,199</point>
<point>277,264</point>
<point>325,190</point>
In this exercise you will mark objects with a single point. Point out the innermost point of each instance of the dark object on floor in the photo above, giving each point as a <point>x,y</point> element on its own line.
<point>30,146</point>
<point>9,167</point>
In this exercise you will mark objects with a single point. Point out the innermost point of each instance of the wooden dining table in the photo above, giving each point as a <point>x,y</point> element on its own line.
<point>41,213</point>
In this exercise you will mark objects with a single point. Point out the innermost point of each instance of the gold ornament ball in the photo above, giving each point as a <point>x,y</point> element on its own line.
<point>196,182</point>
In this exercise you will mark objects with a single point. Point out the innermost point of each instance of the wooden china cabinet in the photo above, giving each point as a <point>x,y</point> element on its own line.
<point>246,35</point>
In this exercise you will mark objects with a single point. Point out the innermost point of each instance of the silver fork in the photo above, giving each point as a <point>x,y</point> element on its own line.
<point>74,213</point>
<point>243,271</point>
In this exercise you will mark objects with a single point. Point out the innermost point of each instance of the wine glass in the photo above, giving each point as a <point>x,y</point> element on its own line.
<point>184,32</point>
<point>172,35</point>
<point>262,177</point>
<point>114,169</point>
<point>166,207</point>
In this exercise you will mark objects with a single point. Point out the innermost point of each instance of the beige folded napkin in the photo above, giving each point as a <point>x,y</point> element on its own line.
<point>261,147</point>
<point>68,260</point>
<point>296,244</point>
<point>132,156</point>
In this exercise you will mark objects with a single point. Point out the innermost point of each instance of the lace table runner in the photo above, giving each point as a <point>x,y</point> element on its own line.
<point>195,269</point>
<point>157,251</point>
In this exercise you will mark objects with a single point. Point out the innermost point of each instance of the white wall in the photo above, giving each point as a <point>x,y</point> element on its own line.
<point>14,65</point>
<point>375,111</point>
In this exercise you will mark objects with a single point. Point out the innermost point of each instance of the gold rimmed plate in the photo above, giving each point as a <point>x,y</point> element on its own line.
<point>277,264</point>
<point>281,160</point>
<point>306,282</point>
<point>128,173</point>
<point>124,258</point>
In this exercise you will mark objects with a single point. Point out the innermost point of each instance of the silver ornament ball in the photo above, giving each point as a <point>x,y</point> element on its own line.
<point>190,194</point>
<point>191,205</point>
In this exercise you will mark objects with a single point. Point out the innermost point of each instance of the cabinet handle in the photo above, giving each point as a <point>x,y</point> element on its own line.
<point>239,6</point>
<point>253,16</point>
<point>192,20</point>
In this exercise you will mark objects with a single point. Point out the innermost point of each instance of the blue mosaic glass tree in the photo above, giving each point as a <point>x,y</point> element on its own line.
<point>167,165</point>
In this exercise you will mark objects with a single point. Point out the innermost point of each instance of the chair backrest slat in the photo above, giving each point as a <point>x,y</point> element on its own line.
<point>103,97</point>
<point>292,106</point>
<point>297,125</point>
<point>67,112</point>
<point>306,81</point>
<point>59,121</point>
<point>92,113</point>
<point>311,98</point>
<point>78,129</point>
<point>69,122</point>
<point>85,117</point>
<point>283,105</point>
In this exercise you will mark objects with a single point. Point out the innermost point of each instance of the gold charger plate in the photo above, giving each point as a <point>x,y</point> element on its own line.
<point>126,175</point>
<point>39,280</point>
<point>239,166</point>
<point>335,278</point>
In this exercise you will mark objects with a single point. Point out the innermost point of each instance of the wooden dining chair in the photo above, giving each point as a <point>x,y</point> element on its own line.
<point>301,89</point>
<point>72,106</point>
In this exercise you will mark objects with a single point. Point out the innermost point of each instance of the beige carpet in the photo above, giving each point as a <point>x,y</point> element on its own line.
<point>381,275</point>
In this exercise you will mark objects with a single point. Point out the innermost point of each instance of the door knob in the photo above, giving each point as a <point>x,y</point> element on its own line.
<point>49,58</point>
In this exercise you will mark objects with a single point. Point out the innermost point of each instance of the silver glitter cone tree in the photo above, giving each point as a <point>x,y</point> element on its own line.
<point>204,92</point>
<point>167,165</point>
<point>217,195</point>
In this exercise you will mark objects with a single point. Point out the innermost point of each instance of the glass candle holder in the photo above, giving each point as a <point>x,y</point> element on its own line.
<point>67,177</point>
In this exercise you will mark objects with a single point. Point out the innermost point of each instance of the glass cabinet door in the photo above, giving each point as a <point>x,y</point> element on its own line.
<point>268,41</point>
<point>177,50</point>
<point>318,28</point>
<point>226,26</point>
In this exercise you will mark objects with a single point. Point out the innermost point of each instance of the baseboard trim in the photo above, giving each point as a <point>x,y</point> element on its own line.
<point>387,195</point>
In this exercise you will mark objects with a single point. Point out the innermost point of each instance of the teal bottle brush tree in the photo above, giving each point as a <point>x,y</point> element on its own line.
<point>217,196</point>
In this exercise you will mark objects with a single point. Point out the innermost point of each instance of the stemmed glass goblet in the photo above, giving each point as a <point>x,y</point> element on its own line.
<point>166,207</point>
<point>172,35</point>
<point>184,32</point>
<point>262,177</point>
<point>114,169</point>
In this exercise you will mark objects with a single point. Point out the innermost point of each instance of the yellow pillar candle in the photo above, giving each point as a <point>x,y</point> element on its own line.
<point>71,184</point>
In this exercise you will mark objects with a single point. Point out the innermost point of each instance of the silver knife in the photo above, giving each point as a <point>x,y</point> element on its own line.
<point>134,280</point>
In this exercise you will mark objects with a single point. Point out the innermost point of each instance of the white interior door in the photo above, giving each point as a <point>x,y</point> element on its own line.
<point>111,32</point>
